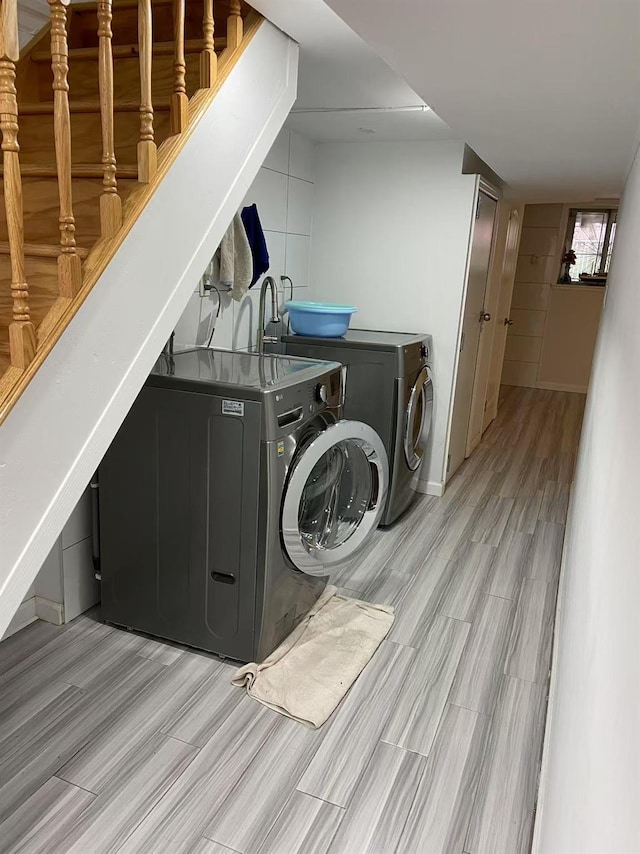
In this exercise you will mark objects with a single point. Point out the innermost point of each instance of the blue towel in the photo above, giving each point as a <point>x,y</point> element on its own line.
<point>258,244</point>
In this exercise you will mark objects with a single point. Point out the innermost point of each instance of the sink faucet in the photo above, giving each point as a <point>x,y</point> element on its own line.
<point>267,282</point>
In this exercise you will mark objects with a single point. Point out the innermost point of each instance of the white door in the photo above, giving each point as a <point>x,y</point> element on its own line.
<point>473,321</point>
<point>334,496</point>
<point>502,320</point>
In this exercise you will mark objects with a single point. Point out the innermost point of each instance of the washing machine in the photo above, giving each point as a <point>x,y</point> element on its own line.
<point>388,386</point>
<point>232,489</point>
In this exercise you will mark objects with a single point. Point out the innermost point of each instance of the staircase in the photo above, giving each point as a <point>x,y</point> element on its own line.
<point>131,132</point>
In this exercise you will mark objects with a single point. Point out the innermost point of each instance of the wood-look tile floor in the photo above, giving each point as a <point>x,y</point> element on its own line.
<point>111,742</point>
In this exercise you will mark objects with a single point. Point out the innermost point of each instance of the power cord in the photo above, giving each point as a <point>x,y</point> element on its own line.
<point>212,287</point>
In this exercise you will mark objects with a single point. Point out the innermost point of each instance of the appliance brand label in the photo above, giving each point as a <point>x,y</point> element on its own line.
<point>233,407</point>
<point>280,448</point>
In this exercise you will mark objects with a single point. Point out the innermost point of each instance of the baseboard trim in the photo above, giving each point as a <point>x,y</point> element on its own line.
<point>430,487</point>
<point>50,612</point>
<point>25,615</point>
<point>577,389</point>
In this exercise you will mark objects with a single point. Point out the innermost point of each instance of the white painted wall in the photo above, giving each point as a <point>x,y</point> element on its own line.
<point>553,336</point>
<point>283,193</point>
<point>50,446</point>
<point>390,235</point>
<point>591,763</point>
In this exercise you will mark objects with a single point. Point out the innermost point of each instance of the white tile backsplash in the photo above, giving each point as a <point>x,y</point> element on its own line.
<point>527,322</point>
<point>523,348</point>
<point>269,193</point>
<point>302,158</point>
<point>297,259</point>
<point>278,158</point>
<point>300,207</point>
<point>245,321</point>
<point>537,268</point>
<point>530,295</point>
<point>538,241</point>
<point>276,247</point>
<point>283,193</point>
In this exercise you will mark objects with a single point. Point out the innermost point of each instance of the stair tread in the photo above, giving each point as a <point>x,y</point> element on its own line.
<point>78,170</point>
<point>129,51</point>
<point>44,108</point>
<point>42,250</point>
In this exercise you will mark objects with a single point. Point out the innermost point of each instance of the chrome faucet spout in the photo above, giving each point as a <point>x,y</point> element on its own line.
<point>267,282</point>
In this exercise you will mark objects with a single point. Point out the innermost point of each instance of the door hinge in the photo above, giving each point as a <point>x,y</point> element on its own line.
<point>478,203</point>
<point>448,462</point>
<point>462,342</point>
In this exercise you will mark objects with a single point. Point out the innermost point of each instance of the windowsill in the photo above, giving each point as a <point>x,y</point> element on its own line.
<point>577,286</point>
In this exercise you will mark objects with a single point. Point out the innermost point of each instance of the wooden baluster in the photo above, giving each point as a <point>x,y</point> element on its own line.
<point>69,267</point>
<point>234,25</point>
<point>110,203</point>
<point>147,151</point>
<point>179,100</point>
<point>22,337</point>
<point>208,58</point>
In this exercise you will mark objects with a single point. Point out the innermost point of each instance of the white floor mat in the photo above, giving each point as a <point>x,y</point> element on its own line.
<point>310,672</point>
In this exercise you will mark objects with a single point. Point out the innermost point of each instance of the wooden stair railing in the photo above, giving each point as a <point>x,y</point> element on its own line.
<point>110,204</point>
<point>22,338</point>
<point>48,202</point>
<point>147,150</point>
<point>69,265</point>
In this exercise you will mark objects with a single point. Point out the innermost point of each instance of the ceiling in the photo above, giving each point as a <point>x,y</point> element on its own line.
<point>546,92</point>
<point>337,70</point>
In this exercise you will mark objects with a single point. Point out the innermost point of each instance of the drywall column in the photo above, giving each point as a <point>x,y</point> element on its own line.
<point>590,787</point>
<point>391,229</point>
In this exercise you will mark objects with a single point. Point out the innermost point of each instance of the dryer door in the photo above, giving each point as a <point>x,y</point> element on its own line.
<point>418,420</point>
<point>334,496</point>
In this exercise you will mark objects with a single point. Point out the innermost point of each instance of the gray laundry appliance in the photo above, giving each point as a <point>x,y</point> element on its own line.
<point>388,386</point>
<point>232,488</point>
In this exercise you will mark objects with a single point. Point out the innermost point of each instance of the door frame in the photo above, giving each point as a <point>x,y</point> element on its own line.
<point>492,192</point>
<point>485,345</point>
<point>504,298</point>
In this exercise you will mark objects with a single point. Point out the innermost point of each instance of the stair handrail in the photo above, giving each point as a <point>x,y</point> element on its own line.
<point>22,337</point>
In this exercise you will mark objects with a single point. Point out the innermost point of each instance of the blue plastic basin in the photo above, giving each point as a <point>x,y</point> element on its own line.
<point>320,319</point>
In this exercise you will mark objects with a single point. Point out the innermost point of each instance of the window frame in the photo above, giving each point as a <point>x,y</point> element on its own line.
<point>612,218</point>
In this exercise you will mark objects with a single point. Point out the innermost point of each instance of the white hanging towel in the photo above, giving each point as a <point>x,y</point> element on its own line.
<point>307,676</point>
<point>233,264</point>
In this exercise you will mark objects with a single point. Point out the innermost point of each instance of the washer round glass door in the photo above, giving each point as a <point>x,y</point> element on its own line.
<point>418,419</point>
<point>334,496</point>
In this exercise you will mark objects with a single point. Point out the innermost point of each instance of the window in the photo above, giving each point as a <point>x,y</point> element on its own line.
<point>591,234</point>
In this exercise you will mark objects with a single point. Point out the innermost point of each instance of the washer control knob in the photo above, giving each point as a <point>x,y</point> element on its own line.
<point>321,393</point>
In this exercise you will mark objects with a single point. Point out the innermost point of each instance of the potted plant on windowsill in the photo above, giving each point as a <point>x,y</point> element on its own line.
<point>568,259</point>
